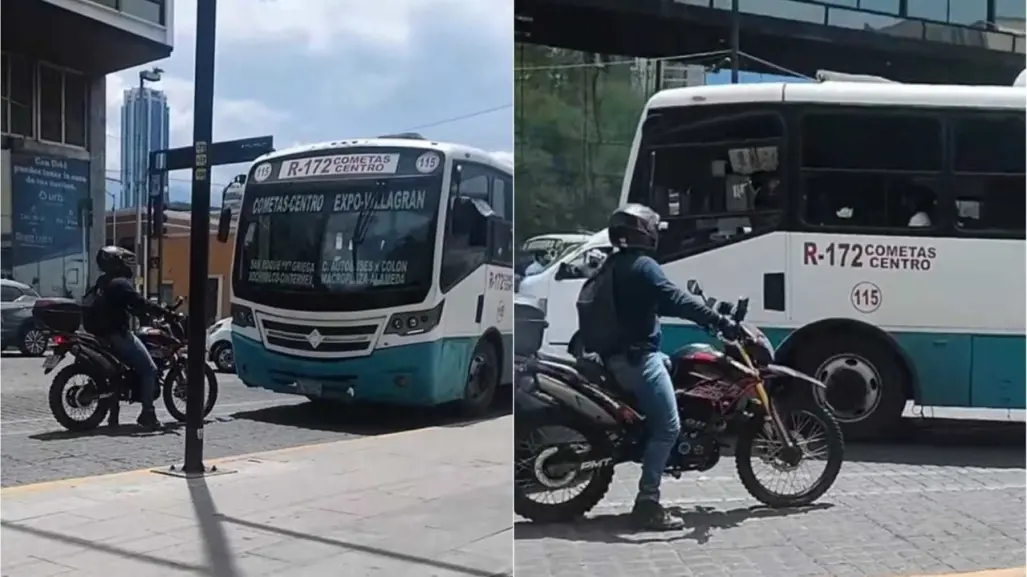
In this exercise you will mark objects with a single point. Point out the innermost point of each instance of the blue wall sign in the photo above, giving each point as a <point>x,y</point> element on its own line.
<point>46,240</point>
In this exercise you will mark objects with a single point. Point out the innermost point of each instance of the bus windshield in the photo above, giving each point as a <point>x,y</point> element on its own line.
<point>340,237</point>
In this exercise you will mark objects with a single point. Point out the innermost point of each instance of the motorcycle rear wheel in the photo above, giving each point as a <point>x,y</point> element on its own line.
<point>834,443</point>
<point>57,396</point>
<point>594,491</point>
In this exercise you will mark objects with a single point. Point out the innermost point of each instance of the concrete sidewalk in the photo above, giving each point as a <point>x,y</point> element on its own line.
<point>432,502</point>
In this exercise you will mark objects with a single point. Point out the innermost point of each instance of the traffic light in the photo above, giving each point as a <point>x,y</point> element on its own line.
<point>158,218</point>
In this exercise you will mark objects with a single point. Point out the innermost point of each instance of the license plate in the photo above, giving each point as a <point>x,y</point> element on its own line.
<point>312,388</point>
<point>51,361</point>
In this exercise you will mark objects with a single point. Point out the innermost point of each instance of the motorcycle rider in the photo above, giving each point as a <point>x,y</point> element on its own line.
<point>115,299</point>
<point>638,292</point>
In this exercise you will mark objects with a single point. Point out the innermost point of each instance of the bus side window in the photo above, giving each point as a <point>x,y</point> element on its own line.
<point>474,181</point>
<point>502,188</point>
<point>500,242</point>
<point>988,165</point>
<point>713,189</point>
<point>871,170</point>
<point>465,245</point>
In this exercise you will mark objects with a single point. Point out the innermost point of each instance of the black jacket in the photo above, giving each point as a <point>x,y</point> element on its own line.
<point>117,300</point>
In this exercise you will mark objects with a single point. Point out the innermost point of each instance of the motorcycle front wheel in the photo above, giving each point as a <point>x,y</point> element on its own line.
<point>175,387</point>
<point>75,400</point>
<point>551,450</point>
<point>817,439</point>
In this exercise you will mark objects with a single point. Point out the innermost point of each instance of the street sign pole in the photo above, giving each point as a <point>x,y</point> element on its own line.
<point>199,234</point>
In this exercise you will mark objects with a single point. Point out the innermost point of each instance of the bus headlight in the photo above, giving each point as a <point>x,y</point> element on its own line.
<point>414,322</point>
<point>242,316</point>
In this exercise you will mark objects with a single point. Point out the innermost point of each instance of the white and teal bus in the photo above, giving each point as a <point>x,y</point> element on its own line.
<point>878,228</point>
<point>376,270</point>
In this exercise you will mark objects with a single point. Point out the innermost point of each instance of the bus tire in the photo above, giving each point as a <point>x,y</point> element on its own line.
<point>482,380</point>
<point>852,367</point>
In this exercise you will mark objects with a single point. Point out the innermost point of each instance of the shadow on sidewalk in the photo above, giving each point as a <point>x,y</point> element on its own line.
<point>370,419</point>
<point>219,559</point>
<point>215,543</point>
<point>413,559</point>
<point>102,547</point>
<point>700,524</point>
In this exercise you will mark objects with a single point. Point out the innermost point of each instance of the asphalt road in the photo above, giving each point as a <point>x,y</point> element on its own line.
<point>36,449</point>
<point>950,499</point>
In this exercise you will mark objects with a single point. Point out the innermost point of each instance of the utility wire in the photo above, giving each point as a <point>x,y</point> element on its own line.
<point>459,118</point>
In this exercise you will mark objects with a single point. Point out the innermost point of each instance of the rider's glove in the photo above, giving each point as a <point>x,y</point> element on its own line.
<point>729,329</point>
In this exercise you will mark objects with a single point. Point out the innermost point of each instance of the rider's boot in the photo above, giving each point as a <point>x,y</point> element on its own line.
<point>148,419</point>
<point>112,416</point>
<point>651,516</point>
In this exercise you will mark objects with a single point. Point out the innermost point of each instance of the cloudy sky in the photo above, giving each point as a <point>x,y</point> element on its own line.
<point>315,70</point>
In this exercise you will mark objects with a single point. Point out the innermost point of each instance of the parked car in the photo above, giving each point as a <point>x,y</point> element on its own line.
<point>219,345</point>
<point>17,327</point>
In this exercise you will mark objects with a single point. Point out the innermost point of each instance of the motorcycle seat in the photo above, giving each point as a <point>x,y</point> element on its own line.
<point>591,367</point>
<point>557,358</point>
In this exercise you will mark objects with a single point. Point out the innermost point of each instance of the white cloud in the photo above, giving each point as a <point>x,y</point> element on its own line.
<point>319,25</point>
<point>233,118</point>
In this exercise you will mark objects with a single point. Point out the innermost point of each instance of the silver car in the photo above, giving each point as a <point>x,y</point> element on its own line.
<point>17,326</point>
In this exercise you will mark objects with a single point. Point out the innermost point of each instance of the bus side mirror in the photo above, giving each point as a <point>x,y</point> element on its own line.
<point>224,225</point>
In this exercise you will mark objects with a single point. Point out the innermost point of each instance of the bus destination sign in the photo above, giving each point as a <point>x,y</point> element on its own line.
<point>339,165</point>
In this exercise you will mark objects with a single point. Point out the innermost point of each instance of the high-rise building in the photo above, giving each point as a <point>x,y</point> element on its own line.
<point>145,124</point>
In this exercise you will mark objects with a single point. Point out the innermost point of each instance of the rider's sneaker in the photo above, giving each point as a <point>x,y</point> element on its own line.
<point>651,516</point>
<point>148,419</point>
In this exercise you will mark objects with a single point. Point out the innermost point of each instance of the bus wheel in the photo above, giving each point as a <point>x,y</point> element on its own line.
<point>482,380</point>
<point>866,386</point>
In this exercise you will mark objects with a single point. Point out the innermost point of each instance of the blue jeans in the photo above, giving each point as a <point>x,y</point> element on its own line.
<point>131,350</point>
<point>650,381</point>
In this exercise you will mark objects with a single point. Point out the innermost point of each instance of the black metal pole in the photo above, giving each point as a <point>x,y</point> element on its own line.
<point>736,40</point>
<point>160,249</point>
<point>199,236</point>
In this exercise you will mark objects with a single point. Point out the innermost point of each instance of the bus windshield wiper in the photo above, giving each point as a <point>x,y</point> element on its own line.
<point>364,219</point>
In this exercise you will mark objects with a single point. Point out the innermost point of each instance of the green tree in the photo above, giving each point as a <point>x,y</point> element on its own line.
<point>575,118</point>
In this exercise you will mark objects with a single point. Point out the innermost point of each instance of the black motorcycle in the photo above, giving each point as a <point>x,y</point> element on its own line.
<point>83,393</point>
<point>574,422</point>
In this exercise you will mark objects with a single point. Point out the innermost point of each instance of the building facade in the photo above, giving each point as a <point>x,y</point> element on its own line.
<point>53,146</point>
<point>935,41</point>
<point>120,229</point>
<point>145,126</point>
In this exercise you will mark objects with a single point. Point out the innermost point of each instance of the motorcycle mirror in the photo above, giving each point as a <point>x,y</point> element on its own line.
<point>693,286</point>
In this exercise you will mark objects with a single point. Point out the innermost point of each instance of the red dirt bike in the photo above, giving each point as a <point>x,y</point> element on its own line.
<point>574,422</point>
<point>97,382</point>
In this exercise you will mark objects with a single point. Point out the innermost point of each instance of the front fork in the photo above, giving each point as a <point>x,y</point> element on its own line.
<point>790,453</point>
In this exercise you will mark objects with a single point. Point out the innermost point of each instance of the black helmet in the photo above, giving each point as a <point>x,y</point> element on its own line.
<point>634,226</point>
<point>117,261</point>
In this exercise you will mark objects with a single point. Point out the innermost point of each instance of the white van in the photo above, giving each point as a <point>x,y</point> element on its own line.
<point>560,283</point>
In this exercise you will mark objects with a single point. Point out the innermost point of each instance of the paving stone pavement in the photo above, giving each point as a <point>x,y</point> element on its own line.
<point>37,449</point>
<point>429,503</point>
<point>926,507</point>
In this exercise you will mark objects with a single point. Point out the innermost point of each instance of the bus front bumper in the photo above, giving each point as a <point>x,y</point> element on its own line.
<point>422,374</point>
